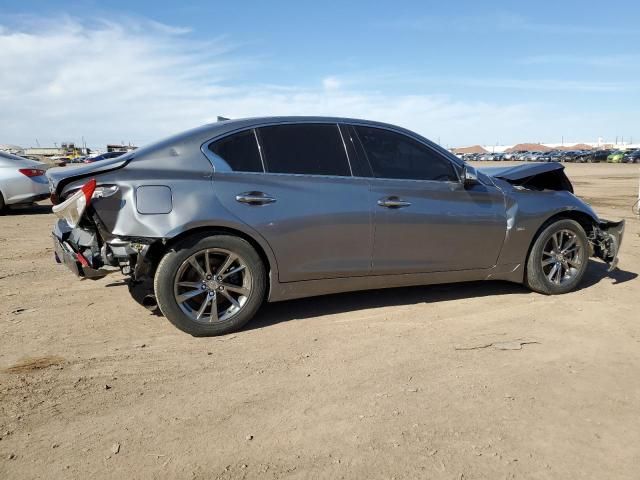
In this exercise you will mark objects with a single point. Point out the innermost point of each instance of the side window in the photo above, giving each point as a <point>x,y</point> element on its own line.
<point>393,155</point>
<point>240,151</point>
<point>312,149</point>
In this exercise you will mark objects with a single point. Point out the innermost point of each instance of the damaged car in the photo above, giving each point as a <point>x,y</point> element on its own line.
<point>211,223</point>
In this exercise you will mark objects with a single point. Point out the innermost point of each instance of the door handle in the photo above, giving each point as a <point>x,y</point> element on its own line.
<point>254,198</point>
<point>393,202</point>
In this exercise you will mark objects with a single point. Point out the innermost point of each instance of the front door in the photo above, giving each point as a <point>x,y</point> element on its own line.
<point>424,218</point>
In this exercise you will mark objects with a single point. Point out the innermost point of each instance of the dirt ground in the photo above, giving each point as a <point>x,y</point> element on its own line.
<point>408,383</point>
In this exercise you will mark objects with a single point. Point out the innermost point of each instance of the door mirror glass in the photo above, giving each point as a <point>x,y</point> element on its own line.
<point>469,176</point>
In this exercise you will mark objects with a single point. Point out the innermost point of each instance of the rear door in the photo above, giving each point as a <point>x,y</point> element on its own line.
<point>293,184</point>
<point>425,220</point>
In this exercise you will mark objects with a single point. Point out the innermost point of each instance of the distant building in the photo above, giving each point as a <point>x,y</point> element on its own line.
<point>472,149</point>
<point>113,147</point>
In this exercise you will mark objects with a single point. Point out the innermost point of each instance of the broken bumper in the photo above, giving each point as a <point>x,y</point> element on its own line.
<point>607,242</point>
<point>74,255</point>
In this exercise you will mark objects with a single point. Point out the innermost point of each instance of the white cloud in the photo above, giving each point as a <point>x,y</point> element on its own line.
<point>139,81</point>
<point>331,83</point>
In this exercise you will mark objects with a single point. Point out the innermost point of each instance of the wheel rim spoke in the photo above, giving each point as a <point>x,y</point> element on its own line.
<point>190,284</point>
<point>214,310</point>
<point>569,244</point>
<point>233,301</point>
<point>238,289</point>
<point>207,263</point>
<point>186,296</point>
<point>227,263</point>
<point>233,271</point>
<point>203,307</point>
<point>547,262</point>
<point>552,273</point>
<point>196,266</point>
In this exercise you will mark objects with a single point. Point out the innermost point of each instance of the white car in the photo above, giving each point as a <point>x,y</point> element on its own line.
<point>21,180</point>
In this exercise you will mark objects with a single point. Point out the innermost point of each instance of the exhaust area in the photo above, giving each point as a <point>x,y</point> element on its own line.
<point>149,302</point>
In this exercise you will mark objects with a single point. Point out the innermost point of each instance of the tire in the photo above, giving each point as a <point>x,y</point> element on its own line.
<point>177,266</point>
<point>540,278</point>
<point>3,206</point>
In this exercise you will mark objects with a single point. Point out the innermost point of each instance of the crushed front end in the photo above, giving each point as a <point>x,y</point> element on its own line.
<point>605,239</point>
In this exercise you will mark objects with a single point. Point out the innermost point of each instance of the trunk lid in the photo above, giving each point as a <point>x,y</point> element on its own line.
<point>60,176</point>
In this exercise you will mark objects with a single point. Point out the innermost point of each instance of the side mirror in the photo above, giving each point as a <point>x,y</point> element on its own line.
<point>469,176</point>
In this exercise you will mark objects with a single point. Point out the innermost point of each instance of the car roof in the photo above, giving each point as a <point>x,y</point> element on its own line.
<point>9,160</point>
<point>200,135</point>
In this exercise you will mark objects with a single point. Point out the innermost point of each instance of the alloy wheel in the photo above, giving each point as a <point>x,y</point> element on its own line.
<point>562,257</point>
<point>212,285</point>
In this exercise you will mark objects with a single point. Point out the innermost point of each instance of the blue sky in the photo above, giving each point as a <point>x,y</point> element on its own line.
<point>457,72</point>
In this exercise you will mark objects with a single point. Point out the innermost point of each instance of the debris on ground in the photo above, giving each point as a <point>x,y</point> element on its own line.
<point>510,345</point>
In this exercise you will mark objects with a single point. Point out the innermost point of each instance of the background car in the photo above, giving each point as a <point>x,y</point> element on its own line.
<point>21,180</point>
<point>616,156</point>
<point>631,156</point>
<point>103,156</point>
<point>600,155</point>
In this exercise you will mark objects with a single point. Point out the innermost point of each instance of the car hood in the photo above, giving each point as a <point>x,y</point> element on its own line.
<point>533,176</point>
<point>520,172</point>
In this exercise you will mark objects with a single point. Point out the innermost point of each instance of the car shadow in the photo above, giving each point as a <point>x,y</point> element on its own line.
<point>597,271</point>
<point>273,313</point>
<point>34,209</point>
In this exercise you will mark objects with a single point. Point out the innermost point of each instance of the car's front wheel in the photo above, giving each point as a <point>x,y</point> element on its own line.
<point>558,258</point>
<point>210,285</point>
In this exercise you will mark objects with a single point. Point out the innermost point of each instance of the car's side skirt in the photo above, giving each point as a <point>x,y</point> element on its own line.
<point>310,288</point>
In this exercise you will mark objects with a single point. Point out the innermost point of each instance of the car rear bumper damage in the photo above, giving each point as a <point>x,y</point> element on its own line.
<point>88,254</point>
<point>605,240</point>
<point>78,250</point>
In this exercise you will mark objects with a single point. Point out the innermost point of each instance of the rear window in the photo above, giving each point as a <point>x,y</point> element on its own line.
<point>312,149</point>
<point>240,151</point>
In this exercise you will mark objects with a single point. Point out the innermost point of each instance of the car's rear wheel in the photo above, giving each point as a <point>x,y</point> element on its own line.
<point>2,204</point>
<point>558,258</point>
<point>210,285</point>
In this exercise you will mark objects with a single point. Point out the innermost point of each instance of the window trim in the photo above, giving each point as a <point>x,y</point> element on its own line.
<point>454,166</point>
<point>226,168</point>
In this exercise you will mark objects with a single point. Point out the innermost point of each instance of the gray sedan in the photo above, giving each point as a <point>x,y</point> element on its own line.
<point>210,223</point>
<point>21,180</point>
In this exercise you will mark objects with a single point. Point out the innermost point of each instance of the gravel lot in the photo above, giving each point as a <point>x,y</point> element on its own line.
<point>421,382</point>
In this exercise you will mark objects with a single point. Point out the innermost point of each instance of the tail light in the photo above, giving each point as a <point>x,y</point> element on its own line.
<point>31,172</point>
<point>74,207</point>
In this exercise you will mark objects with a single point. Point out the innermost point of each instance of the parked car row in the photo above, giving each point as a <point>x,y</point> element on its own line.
<point>570,156</point>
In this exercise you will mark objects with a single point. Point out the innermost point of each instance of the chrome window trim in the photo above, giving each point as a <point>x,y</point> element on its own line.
<point>264,167</point>
<point>346,150</point>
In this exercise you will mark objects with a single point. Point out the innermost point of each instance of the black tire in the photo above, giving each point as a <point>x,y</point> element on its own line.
<point>536,278</point>
<point>3,207</point>
<point>168,269</point>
